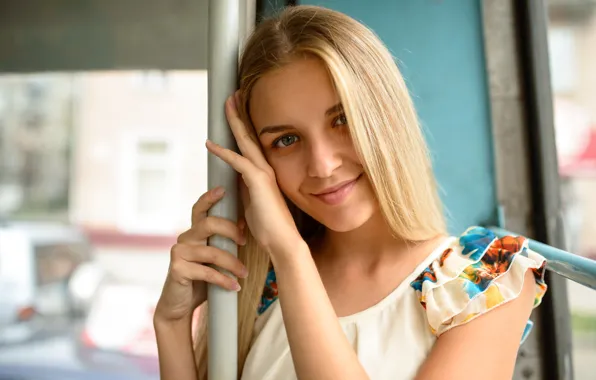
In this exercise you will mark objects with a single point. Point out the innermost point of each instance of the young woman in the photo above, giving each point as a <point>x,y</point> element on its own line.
<point>343,229</point>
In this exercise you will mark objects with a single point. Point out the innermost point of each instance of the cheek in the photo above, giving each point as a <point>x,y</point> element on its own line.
<point>289,174</point>
<point>345,144</point>
<point>352,150</point>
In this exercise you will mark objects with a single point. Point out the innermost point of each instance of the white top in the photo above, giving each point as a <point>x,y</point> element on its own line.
<point>461,279</point>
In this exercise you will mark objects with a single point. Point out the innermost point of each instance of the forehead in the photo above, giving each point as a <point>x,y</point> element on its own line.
<point>293,93</point>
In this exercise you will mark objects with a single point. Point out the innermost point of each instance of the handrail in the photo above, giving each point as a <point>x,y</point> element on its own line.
<point>573,267</point>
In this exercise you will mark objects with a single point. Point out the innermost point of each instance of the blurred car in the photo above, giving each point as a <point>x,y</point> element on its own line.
<point>37,260</point>
<point>54,359</point>
<point>27,372</point>
<point>84,284</point>
<point>118,332</point>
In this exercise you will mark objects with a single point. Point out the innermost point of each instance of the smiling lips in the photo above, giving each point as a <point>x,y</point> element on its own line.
<point>337,194</point>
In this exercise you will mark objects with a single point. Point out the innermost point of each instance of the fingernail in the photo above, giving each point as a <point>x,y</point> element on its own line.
<point>219,191</point>
<point>237,287</point>
<point>244,273</point>
<point>232,101</point>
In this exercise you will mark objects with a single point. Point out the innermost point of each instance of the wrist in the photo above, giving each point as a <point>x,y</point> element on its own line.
<point>171,325</point>
<point>291,251</point>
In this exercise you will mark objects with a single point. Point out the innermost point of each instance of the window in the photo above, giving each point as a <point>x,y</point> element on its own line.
<point>151,80</point>
<point>149,184</point>
<point>563,59</point>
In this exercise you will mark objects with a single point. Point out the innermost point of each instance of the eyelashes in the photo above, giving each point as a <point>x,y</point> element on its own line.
<point>290,139</point>
<point>340,120</point>
<point>285,141</point>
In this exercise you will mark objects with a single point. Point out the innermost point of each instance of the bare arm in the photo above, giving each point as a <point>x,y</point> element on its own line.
<point>176,354</point>
<point>185,287</point>
<point>487,346</point>
<point>320,349</point>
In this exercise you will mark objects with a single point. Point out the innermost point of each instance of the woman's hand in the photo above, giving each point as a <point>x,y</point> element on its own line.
<point>265,209</point>
<point>185,287</point>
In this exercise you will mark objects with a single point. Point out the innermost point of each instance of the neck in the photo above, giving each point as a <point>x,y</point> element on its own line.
<point>371,245</point>
<point>367,243</point>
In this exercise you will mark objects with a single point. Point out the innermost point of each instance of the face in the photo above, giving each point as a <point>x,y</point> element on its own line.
<point>301,126</point>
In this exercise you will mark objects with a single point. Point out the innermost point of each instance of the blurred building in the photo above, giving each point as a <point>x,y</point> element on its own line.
<point>572,45</point>
<point>120,154</point>
<point>138,166</point>
<point>35,143</point>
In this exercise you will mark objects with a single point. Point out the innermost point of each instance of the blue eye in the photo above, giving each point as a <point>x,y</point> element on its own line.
<point>340,120</point>
<point>285,141</point>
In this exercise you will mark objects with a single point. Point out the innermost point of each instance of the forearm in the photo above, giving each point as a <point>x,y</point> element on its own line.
<point>320,349</point>
<point>175,350</point>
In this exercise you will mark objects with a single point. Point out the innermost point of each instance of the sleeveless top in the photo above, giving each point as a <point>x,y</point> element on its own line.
<point>463,278</point>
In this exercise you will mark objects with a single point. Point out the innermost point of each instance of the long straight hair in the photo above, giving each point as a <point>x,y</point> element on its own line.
<point>383,124</point>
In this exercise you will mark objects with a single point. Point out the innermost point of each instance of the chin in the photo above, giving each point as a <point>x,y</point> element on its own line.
<point>346,216</point>
<point>349,219</point>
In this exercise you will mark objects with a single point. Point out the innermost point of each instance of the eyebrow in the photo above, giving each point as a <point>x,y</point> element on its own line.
<point>281,128</point>
<point>336,108</point>
<point>274,129</point>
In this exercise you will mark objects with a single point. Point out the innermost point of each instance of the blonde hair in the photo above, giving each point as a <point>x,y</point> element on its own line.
<point>383,124</point>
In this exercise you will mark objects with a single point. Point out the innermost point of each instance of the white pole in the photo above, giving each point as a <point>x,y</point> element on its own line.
<point>223,38</point>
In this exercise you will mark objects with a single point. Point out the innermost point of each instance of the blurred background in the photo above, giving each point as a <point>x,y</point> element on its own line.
<point>103,118</point>
<point>98,173</point>
<point>572,45</point>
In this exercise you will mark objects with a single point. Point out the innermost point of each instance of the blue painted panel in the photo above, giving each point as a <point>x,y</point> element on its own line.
<point>271,7</point>
<point>439,48</point>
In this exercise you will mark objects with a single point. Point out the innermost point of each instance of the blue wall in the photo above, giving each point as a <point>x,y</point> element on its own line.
<point>439,48</point>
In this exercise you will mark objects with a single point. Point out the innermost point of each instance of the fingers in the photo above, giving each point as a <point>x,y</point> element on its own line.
<point>205,202</point>
<point>240,163</point>
<point>214,225</point>
<point>188,271</point>
<point>242,226</point>
<point>245,137</point>
<point>251,160</point>
<point>188,262</point>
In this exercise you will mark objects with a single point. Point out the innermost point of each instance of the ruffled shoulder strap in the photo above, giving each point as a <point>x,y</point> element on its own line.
<point>269,294</point>
<point>475,274</point>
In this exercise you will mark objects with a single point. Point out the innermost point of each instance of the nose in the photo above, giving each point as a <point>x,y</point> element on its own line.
<point>324,158</point>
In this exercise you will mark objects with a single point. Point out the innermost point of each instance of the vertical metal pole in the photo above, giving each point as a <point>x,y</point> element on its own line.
<point>222,71</point>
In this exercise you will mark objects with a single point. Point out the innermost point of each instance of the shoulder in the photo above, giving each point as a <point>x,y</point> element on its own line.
<point>475,274</point>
